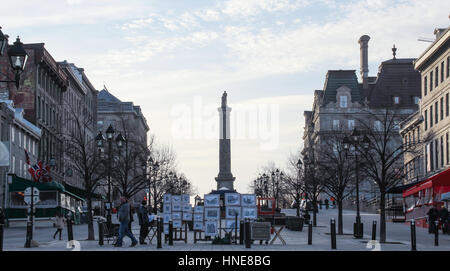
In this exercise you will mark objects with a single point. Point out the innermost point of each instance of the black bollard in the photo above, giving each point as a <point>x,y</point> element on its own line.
<point>170,233</point>
<point>310,233</point>
<point>374,230</point>
<point>1,237</point>
<point>436,233</point>
<point>29,234</point>
<point>159,226</point>
<point>333,233</point>
<point>247,234</point>
<point>100,232</point>
<point>235,229</point>
<point>2,223</point>
<point>69,229</point>
<point>241,232</point>
<point>413,235</point>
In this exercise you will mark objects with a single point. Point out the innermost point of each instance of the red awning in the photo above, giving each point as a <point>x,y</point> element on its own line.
<point>440,182</point>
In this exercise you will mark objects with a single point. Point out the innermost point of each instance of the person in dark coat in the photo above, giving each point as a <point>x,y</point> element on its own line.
<point>124,219</point>
<point>443,215</point>
<point>143,222</point>
<point>307,217</point>
<point>327,203</point>
<point>433,215</point>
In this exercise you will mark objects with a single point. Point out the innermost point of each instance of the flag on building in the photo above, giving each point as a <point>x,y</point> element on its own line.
<point>36,171</point>
<point>27,157</point>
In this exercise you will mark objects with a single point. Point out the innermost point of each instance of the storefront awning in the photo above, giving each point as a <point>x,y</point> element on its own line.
<point>440,182</point>
<point>399,189</point>
<point>81,192</point>
<point>20,184</point>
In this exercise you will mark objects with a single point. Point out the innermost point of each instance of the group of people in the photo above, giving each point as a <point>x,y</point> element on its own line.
<point>125,216</point>
<point>441,216</point>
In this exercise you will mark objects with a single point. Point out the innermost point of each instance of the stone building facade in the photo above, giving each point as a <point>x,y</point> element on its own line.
<point>111,110</point>
<point>79,114</point>
<point>344,103</point>
<point>19,135</point>
<point>40,95</point>
<point>434,112</point>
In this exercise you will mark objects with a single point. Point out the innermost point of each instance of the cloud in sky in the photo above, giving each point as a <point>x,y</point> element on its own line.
<point>163,53</point>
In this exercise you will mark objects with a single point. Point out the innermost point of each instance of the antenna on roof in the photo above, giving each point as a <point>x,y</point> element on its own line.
<point>425,39</point>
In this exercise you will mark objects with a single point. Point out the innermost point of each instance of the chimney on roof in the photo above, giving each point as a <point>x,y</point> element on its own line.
<point>363,42</point>
<point>439,31</point>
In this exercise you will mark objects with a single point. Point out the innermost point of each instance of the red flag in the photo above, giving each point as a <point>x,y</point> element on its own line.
<point>27,157</point>
<point>46,177</point>
<point>35,172</point>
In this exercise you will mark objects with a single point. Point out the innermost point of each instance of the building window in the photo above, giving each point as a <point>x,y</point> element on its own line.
<point>447,147</point>
<point>335,124</point>
<point>442,151</point>
<point>442,108</point>
<point>378,126</point>
<point>426,119</point>
<point>351,124</point>
<point>431,116</point>
<point>442,71</point>
<point>431,156</point>
<point>436,112</point>
<point>448,66</point>
<point>436,80</point>
<point>436,146</point>
<point>431,81</point>
<point>343,101</point>
<point>396,100</point>
<point>446,105</point>
<point>425,85</point>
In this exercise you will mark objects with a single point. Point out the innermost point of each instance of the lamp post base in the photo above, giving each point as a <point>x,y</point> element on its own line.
<point>358,228</point>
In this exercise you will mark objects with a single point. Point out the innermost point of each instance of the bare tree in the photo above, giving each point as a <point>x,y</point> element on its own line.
<point>384,158</point>
<point>313,182</point>
<point>337,170</point>
<point>84,158</point>
<point>293,184</point>
<point>129,167</point>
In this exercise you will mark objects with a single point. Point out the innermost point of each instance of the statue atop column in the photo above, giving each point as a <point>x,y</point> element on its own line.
<point>225,178</point>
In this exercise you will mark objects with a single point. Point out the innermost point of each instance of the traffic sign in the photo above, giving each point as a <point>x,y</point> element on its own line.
<point>27,199</point>
<point>27,191</point>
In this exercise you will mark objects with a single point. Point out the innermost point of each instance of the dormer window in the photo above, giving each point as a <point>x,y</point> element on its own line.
<point>396,100</point>
<point>343,101</point>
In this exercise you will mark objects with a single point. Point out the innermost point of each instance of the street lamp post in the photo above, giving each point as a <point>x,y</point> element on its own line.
<point>299,166</point>
<point>17,57</point>
<point>109,136</point>
<point>355,140</point>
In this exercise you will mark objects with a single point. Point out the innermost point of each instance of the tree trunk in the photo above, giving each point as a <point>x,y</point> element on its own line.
<point>340,222</point>
<point>314,212</point>
<point>90,219</point>
<point>382,217</point>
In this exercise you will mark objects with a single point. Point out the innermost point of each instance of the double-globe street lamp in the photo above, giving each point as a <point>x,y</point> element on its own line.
<point>17,57</point>
<point>119,142</point>
<point>154,167</point>
<point>356,140</point>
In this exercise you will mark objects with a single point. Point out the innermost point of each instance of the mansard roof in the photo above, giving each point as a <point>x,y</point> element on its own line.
<point>338,78</point>
<point>396,77</point>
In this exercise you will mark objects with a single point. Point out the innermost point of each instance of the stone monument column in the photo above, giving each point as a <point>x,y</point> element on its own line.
<point>225,177</point>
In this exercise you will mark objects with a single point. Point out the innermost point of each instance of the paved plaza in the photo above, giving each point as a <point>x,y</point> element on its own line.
<point>398,238</point>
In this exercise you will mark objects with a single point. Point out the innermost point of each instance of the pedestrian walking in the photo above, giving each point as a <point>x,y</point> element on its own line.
<point>327,203</point>
<point>59,223</point>
<point>433,215</point>
<point>124,219</point>
<point>306,217</point>
<point>143,222</point>
<point>443,215</point>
